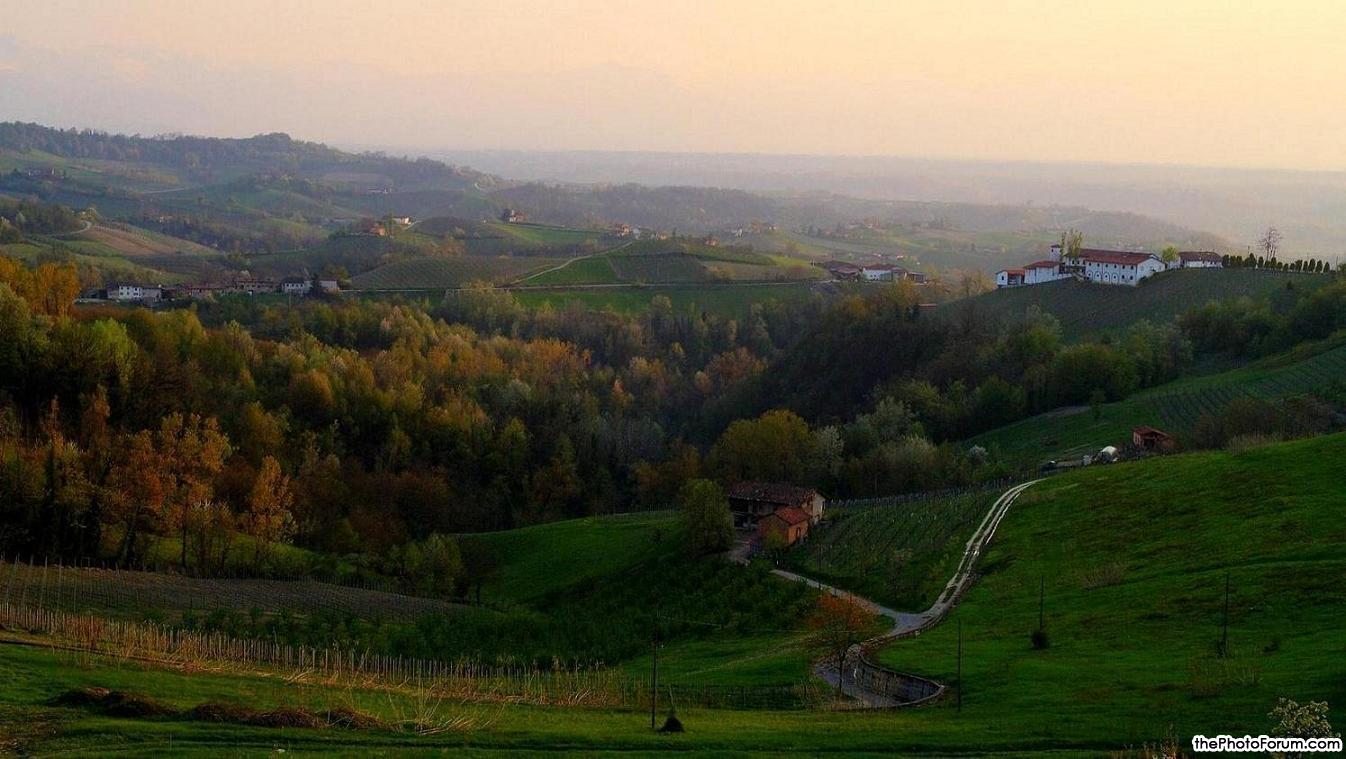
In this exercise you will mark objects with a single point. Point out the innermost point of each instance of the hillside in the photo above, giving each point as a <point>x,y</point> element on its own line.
<point>1134,559</point>
<point>1085,309</point>
<point>674,262</point>
<point>1073,431</point>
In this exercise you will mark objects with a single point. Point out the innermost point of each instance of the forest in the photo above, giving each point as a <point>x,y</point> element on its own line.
<point>208,436</point>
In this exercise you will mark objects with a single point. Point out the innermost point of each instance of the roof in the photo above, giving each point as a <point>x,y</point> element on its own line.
<point>1012,271</point>
<point>1042,265</point>
<point>1122,257</point>
<point>1200,255</point>
<point>1147,431</point>
<point>771,492</point>
<point>791,515</point>
<point>880,267</point>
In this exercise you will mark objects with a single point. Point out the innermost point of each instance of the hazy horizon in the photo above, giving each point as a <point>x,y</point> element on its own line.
<point>1200,85</point>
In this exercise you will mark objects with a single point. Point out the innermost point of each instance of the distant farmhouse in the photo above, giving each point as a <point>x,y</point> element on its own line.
<point>135,293</point>
<point>774,507</point>
<point>1108,267</point>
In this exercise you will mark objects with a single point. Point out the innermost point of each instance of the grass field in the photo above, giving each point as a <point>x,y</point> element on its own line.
<point>1134,559</point>
<point>1174,407</point>
<point>439,272</point>
<point>537,561</point>
<point>898,554</point>
<point>1086,309</point>
<point>726,300</point>
<point>675,262</point>
<point>120,593</point>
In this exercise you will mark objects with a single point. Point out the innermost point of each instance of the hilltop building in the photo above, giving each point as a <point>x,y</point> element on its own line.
<point>1109,267</point>
<point>1198,259</point>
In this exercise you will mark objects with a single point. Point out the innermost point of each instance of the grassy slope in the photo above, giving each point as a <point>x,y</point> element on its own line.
<point>1084,309</point>
<point>1134,558</point>
<point>536,561</point>
<point>726,301</point>
<point>1174,407</point>
<point>440,272</point>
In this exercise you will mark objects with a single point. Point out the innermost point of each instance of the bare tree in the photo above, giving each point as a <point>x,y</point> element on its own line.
<point>1270,243</point>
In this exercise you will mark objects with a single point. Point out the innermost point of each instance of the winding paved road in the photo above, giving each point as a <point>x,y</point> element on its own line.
<point>906,624</point>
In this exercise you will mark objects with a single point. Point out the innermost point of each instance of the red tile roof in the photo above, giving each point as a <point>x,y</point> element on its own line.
<point>1147,431</point>
<point>1125,258</point>
<point>791,515</point>
<point>1042,265</point>
<point>1020,272</point>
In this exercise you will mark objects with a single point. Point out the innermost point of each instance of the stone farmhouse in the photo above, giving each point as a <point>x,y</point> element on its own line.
<point>778,505</point>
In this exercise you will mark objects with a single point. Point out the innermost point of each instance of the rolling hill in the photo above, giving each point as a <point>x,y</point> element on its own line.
<point>1133,562</point>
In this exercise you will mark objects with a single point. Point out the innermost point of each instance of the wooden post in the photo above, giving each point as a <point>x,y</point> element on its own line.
<point>960,665</point>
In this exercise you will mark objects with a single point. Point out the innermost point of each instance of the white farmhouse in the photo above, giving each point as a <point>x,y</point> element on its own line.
<point>878,273</point>
<point>128,292</point>
<point>296,285</point>
<point>1112,267</point>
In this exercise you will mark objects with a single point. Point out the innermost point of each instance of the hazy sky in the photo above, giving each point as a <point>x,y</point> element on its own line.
<point>1225,82</point>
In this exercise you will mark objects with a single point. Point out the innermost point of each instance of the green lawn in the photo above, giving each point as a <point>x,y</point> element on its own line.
<point>1134,558</point>
<point>588,270</point>
<point>1174,407</point>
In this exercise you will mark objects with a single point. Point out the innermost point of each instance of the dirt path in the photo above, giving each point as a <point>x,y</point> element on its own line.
<point>907,624</point>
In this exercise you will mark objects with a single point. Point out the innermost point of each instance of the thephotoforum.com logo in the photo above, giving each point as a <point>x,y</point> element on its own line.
<point>1264,744</point>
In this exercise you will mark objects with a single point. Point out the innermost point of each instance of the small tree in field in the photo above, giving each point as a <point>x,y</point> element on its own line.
<point>704,512</point>
<point>837,624</point>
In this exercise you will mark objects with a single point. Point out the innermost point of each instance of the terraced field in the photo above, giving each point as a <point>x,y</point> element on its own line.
<point>437,273</point>
<point>1174,407</point>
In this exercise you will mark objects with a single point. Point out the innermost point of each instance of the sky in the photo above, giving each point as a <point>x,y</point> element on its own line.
<point>1223,83</point>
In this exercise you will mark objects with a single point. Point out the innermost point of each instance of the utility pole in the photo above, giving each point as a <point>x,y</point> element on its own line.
<point>960,665</point>
<point>1224,635</point>
<point>1042,596</point>
<point>654,675</point>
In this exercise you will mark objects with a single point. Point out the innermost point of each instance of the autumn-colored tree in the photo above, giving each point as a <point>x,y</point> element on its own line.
<point>191,452</point>
<point>268,518</point>
<point>135,490</point>
<point>837,624</point>
<point>774,446</point>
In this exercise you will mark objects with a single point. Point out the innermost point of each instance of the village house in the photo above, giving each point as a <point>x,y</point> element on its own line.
<point>138,293</point>
<point>841,269</point>
<point>512,216</point>
<point>296,285</point>
<point>881,272</point>
<point>329,285</point>
<point>784,526</point>
<point>750,501</point>
<point>1152,440</point>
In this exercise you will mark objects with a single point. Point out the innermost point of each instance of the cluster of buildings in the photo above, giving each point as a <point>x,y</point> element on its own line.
<point>1109,267</point>
<point>776,511</point>
<point>123,292</point>
<point>878,272</point>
